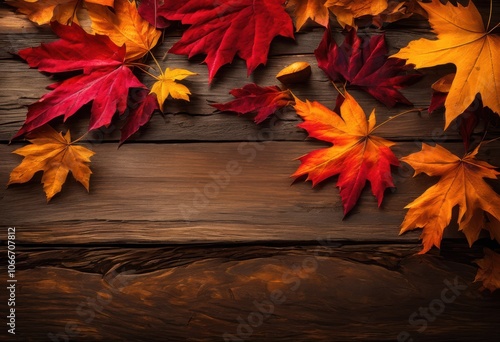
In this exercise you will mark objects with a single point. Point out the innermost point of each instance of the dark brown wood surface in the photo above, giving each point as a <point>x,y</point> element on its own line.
<point>193,230</point>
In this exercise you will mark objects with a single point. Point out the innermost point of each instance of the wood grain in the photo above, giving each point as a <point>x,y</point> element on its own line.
<point>251,293</point>
<point>178,193</point>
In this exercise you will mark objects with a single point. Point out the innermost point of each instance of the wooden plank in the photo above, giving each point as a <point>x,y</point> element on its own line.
<point>201,192</point>
<point>304,293</point>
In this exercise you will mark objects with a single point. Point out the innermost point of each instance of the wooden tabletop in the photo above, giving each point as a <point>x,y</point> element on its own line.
<point>193,230</point>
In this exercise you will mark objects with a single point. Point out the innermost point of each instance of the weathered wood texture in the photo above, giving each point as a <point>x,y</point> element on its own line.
<point>194,223</point>
<point>325,293</point>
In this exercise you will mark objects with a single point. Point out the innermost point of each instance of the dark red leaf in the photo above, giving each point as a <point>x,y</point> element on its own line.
<point>255,99</point>
<point>363,63</point>
<point>141,108</point>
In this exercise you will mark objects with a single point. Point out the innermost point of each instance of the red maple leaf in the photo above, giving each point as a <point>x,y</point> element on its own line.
<point>363,63</point>
<point>357,156</point>
<point>225,28</point>
<point>141,107</point>
<point>255,99</point>
<point>105,80</point>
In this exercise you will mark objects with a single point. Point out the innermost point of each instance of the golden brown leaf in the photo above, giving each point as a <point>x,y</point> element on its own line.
<point>44,11</point>
<point>464,41</point>
<point>489,270</point>
<point>167,85</point>
<point>124,26</point>
<point>55,155</point>
<point>348,10</point>
<point>294,73</point>
<point>308,9</point>
<point>461,184</point>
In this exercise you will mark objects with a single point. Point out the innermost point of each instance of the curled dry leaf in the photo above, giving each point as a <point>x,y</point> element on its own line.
<point>56,156</point>
<point>489,270</point>
<point>346,11</point>
<point>63,11</point>
<point>356,156</point>
<point>461,184</point>
<point>295,73</point>
<point>256,99</point>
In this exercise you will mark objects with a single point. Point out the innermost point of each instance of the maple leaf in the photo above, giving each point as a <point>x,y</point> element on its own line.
<point>347,10</point>
<point>56,156</point>
<point>226,28</point>
<point>167,85</point>
<point>489,270</point>
<point>363,64</point>
<point>256,99</point>
<point>105,80</point>
<point>462,40</point>
<point>308,9</point>
<point>142,105</point>
<point>124,25</point>
<point>44,11</point>
<point>461,184</point>
<point>356,155</point>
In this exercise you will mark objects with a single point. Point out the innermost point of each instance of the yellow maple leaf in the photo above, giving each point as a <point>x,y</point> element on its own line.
<point>489,270</point>
<point>55,155</point>
<point>348,10</point>
<point>124,26</point>
<point>461,184</point>
<point>308,9</point>
<point>463,40</point>
<point>167,85</point>
<point>44,11</point>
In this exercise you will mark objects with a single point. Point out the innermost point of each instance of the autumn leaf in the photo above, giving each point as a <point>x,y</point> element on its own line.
<point>356,156</point>
<point>124,25</point>
<point>56,156</point>
<point>348,10</point>
<point>256,99</point>
<point>363,64</point>
<point>167,85</point>
<point>142,105</point>
<point>302,10</point>
<point>461,184</point>
<point>148,9</point>
<point>489,270</point>
<point>226,28</point>
<point>463,40</point>
<point>105,81</point>
<point>44,11</point>
<point>297,72</point>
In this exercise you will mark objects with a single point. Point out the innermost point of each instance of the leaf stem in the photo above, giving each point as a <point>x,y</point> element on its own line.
<point>396,116</point>
<point>338,89</point>
<point>156,62</point>
<point>494,27</point>
<point>79,139</point>
<point>489,18</point>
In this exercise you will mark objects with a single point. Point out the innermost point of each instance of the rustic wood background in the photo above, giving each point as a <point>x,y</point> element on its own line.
<point>144,257</point>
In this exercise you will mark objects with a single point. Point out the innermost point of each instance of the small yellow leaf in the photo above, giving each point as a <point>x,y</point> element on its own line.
<point>55,155</point>
<point>167,85</point>
<point>308,9</point>
<point>348,10</point>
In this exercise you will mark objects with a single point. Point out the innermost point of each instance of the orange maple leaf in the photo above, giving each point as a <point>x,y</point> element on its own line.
<point>348,10</point>
<point>463,40</point>
<point>489,270</point>
<point>124,25</point>
<point>461,184</point>
<point>308,9</point>
<point>356,155</point>
<point>44,11</point>
<point>55,155</point>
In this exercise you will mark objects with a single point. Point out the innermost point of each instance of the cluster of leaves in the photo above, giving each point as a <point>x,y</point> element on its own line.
<point>105,58</point>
